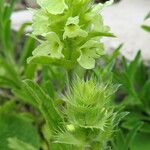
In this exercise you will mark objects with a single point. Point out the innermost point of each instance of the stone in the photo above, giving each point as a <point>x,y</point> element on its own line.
<point>125,19</point>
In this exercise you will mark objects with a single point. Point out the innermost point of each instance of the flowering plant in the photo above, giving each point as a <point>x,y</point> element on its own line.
<point>76,114</point>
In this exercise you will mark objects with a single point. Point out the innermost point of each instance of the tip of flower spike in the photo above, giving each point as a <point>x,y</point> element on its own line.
<point>53,6</point>
<point>100,6</point>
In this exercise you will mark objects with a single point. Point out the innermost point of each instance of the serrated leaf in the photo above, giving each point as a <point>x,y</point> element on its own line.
<point>44,103</point>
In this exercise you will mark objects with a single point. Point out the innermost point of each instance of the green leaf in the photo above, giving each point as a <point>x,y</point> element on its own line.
<point>22,94</point>
<point>28,47</point>
<point>119,141</point>
<point>146,28</point>
<point>16,144</point>
<point>21,31</point>
<point>30,71</point>
<point>141,142</point>
<point>7,107</point>
<point>134,66</point>
<point>134,118</point>
<point>122,79</point>
<point>147,16</point>
<point>67,64</point>
<point>9,75</point>
<point>116,52</point>
<point>7,83</point>
<point>124,141</point>
<point>128,77</point>
<point>145,96</point>
<point>131,135</point>
<point>101,34</point>
<point>47,83</point>
<point>141,75</point>
<point>67,138</point>
<point>44,103</point>
<point>7,35</point>
<point>8,9</point>
<point>13,126</point>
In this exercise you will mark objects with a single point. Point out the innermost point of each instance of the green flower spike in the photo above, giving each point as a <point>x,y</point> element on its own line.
<point>53,6</point>
<point>89,52</point>
<point>52,47</point>
<point>72,29</point>
<point>40,22</point>
<point>79,26</point>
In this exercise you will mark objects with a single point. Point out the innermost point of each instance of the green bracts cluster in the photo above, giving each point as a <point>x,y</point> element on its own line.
<point>90,116</point>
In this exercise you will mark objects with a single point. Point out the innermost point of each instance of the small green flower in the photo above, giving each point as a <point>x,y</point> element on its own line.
<point>52,47</point>
<point>89,52</point>
<point>53,6</point>
<point>70,128</point>
<point>72,28</point>
<point>96,19</point>
<point>40,22</point>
